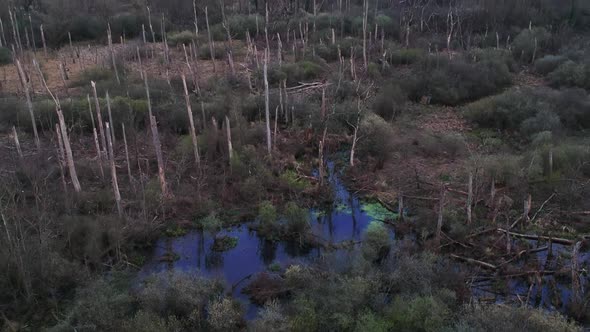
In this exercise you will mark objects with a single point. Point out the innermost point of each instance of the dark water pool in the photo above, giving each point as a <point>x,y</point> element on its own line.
<point>345,220</point>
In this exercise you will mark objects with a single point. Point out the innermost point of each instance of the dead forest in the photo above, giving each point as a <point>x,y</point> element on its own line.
<point>290,165</point>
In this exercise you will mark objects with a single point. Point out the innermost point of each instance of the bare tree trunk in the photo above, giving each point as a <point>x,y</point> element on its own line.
<point>17,143</point>
<point>112,51</point>
<point>32,35</point>
<point>527,209</point>
<point>551,162</point>
<point>267,20</point>
<point>469,198</point>
<point>400,206</point>
<point>230,149</point>
<point>61,157</point>
<point>156,141</point>
<point>276,127</point>
<point>26,87</point>
<point>191,121</point>
<point>280,50</point>
<point>355,137</point>
<point>112,131</point>
<point>114,181</point>
<point>315,14</point>
<point>103,140</point>
<point>576,286</point>
<point>441,207</point>
<point>493,192</point>
<point>323,105</point>
<point>365,23</point>
<point>196,21</point>
<point>96,145</point>
<point>211,49</point>
<point>126,153</point>
<point>2,36</point>
<point>266,103</point>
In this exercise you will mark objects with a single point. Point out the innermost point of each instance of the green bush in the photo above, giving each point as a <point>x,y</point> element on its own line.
<point>532,42</point>
<point>178,294</point>
<point>390,101</point>
<point>406,56</point>
<point>376,139</point>
<point>297,218</point>
<point>549,63</point>
<point>451,82</point>
<point>419,314</point>
<point>267,214</point>
<point>181,38</point>
<point>510,318</point>
<point>224,314</point>
<point>376,242</point>
<point>205,54</point>
<point>5,56</point>
<point>571,74</point>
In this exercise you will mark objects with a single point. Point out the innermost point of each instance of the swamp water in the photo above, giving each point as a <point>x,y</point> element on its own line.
<point>345,220</point>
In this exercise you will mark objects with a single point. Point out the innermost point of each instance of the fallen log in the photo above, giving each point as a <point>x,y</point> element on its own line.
<point>474,261</point>
<point>538,237</point>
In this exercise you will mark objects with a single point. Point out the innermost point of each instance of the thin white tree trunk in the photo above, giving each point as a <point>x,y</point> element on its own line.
<point>17,143</point>
<point>365,23</point>
<point>229,143</point>
<point>64,133</point>
<point>469,198</point>
<point>61,157</point>
<point>112,131</point>
<point>103,140</point>
<point>26,87</point>
<point>156,142</point>
<point>211,48</point>
<point>191,121</point>
<point>126,153</point>
<point>114,181</point>
<point>266,103</point>
<point>96,145</point>
<point>441,207</point>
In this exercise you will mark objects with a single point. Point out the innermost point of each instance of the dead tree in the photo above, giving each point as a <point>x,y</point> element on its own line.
<point>469,198</point>
<point>112,51</point>
<point>64,133</point>
<point>17,143</point>
<point>156,141</point>
<point>2,35</point>
<point>126,152</point>
<point>43,40</point>
<point>94,133</point>
<point>191,122</point>
<point>365,24</point>
<point>230,149</point>
<point>441,207</point>
<point>355,127</point>
<point>576,285</point>
<point>103,140</point>
<point>266,103</point>
<point>61,157</point>
<point>114,181</point>
<point>26,89</point>
<point>112,131</point>
<point>211,48</point>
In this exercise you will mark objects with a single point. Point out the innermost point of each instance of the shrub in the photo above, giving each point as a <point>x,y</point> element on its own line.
<point>549,63</point>
<point>531,42</point>
<point>544,120</point>
<point>267,214</point>
<point>5,56</point>
<point>451,82</point>
<point>178,294</point>
<point>205,53</point>
<point>148,322</point>
<point>406,56</point>
<point>271,318</point>
<point>95,74</point>
<point>181,38</point>
<point>571,74</point>
<point>377,136</point>
<point>224,314</point>
<point>297,218</point>
<point>509,318</point>
<point>418,314</point>
<point>376,242</point>
<point>211,223</point>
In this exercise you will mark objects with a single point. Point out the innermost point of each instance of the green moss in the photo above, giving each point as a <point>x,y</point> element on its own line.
<point>175,231</point>
<point>377,211</point>
<point>224,243</point>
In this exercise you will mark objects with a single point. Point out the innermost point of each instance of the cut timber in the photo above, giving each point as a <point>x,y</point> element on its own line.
<point>538,237</point>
